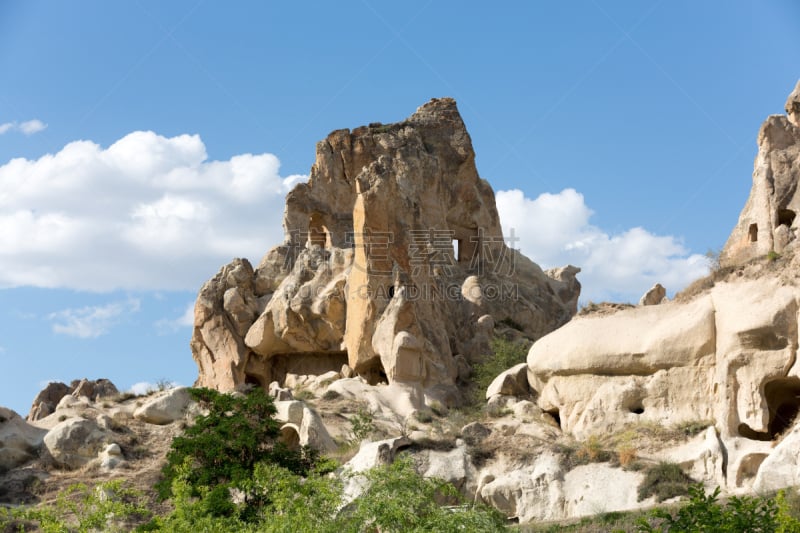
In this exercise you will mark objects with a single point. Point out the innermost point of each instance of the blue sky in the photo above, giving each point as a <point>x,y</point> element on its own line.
<point>144,144</point>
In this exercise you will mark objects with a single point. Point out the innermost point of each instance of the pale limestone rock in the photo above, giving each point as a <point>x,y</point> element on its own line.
<point>164,407</point>
<point>370,455</point>
<point>701,360</point>
<point>701,457</point>
<point>393,252</point>
<point>279,393</point>
<point>111,457</point>
<point>512,382</point>
<point>532,492</point>
<point>781,468</point>
<point>599,488</point>
<point>290,411</point>
<point>774,200</point>
<point>74,442</point>
<point>19,441</point>
<point>654,296</point>
<point>313,433</point>
<point>453,466</point>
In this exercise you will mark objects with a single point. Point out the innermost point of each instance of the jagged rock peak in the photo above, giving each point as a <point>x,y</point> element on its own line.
<point>393,266</point>
<point>768,221</point>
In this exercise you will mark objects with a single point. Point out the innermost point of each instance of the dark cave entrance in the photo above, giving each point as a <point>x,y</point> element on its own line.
<point>373,372</point>
<point>317,232</point>
<point>305,364</point>
<point>753,232</point>
<point>783,402</point>
<point>786,217</point>
<point>556,416</point>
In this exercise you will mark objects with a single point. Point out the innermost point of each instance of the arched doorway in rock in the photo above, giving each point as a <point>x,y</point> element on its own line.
<point>290,436</point>
<point>783,402</point>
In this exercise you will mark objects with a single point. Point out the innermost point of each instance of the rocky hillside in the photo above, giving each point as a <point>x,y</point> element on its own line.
<point>373,325</point>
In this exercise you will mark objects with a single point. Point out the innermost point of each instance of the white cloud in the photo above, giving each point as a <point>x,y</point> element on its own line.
<point>554,230</point>
<point>171,325</point>
<point>148,212</point>
<point>29,127</point>
<point>91,321</point>
<point>32,126</point>
<point>145,387</point>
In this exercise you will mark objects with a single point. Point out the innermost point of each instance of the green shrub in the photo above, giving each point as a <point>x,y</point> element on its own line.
<point>223,446</point>
<point>362,425</point>
<point>704,514</point>
<point>505,354</point>
<point>109,506</point>
<point>664,481</point>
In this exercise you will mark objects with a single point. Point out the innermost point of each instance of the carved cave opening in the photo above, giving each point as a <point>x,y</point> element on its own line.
<point>317,232</point>
<point>305,364</point>
<point>783,399</point>
<point>373,372</point>
<point>753,232</point>
<point>290,437</point>
<point>253,379</point>
<point>786,217</point>
<point>783,402</point>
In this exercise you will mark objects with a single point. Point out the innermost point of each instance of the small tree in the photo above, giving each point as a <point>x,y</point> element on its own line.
<point>223,446</point>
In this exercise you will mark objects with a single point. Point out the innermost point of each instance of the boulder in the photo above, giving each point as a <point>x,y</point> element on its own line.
<point>654,296</point>
<point>781,468</point>
<point>313,433</point>
<point>93,389</point>
<point>74,442</point>
<point>164,407</point>
<point>532,492</point>
<point>599,488</point>
<point>512,382</point>
<point>46,401</point>
<point>19,442</point>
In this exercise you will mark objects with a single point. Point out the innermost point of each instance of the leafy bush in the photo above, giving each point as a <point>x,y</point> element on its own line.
<point>664,481</point>
<point>109,506</point>
<point>704,514</point>
<point>396,499</point>
<point>362,425</point>
<point>223,446</point>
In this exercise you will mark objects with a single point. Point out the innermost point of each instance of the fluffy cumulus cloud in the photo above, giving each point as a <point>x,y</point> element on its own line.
<point>554,230</point>
<point>148,212</point>
<point>92,321</point>
<point>29,127</point>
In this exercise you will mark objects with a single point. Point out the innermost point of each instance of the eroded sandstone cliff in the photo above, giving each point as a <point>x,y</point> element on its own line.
<point>394,268</point>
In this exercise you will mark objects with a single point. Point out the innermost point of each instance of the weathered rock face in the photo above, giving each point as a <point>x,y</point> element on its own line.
<point>728,356</point>
<point>767,222</point>
<point>19,441</point>
<point>49,397</point>
<point>393,252</point>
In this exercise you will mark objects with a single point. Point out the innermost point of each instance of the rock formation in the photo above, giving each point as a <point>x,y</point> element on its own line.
<point>728,355</point>
<point>767,222</point>
<point>48,398</point>
<point>393,255</point>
